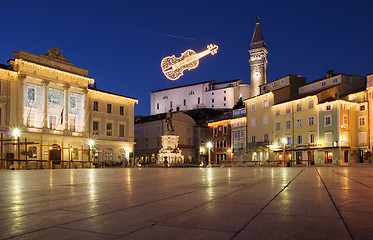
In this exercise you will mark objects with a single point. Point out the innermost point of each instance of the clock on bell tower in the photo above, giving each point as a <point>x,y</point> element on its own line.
<point>258,60</point>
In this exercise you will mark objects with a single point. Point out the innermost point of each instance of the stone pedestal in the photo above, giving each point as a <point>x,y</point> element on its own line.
<point>170,151</point>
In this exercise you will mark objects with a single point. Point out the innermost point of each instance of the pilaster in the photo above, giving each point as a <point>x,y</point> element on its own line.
<point>66,109</point>
<point>21,93</point>
<point>45,118</point>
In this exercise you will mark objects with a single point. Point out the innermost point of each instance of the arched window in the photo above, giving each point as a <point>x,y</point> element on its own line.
<point>109,155</point>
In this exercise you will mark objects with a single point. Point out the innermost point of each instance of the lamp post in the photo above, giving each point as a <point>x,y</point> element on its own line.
<point>209,146</point>
<point>284,143</point>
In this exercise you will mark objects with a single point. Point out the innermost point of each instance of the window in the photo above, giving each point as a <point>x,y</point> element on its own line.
<point>299,139</point>
<point>30,94</point>
<point>328,137</point>
<point>225,91</point>
<point>253,122</point>
<point>241,134</point>
<point>121,130</point>
<point>52,122</point>
<point>32,152</point>
<point>323,83</point>
<point>328,107</point>
<point>253,138</point>
<point>288,109</point>
<point>72,124</point>
<point>95,106</point>
<point>225,98</point>
<point>328,120</point>
<point>215,131</point>
<point>278,126</point>
<point>282,81</point>
<point>335,80</point>
<point>235,135</point>
<point>109,129</point>
<point>157,105</point>
<point>212,100</point>
<point>362,107</point>
<point>299,107</point>
<point>266,139</point>
<point>225,129</point>
<point>299,122</point>
<point>288,124</point>
<point>198,100</point>
<point>311,138</point>
<point>253,107</point>
<point>170,103</point>
<point>108,108</point>
<point>362,121</point>
<point>311,120</point>
<point>95,128</point>
<point>277,112</point>
<point>212,93</point>
<point>265,119</point>
<point>184,102</point>
<point>288,140</point>
<point>310,104</point>
<point>265,103</point>
<point>345,119</point>
<point>121,109</point>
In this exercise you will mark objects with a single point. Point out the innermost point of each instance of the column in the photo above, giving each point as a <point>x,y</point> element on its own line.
<point>21,93</point>
<point>66,109</point>
<point>45,118</point>
<point>87,120</point>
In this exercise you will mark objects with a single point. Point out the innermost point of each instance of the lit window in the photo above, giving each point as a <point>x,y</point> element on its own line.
<point>328,120</point>
<point>95,128</point>
<point>109,129</point>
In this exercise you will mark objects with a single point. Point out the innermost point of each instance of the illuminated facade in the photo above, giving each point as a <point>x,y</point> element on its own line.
<point>50,101</point>
<point>238,136</point>
<point>211,94</point>
<point>321,122</point>
<point>220,135</point>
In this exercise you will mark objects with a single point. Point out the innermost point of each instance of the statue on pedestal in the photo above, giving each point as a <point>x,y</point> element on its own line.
<point>170,128</point>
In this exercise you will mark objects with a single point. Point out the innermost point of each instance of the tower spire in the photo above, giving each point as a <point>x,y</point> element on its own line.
<point>258,60</point>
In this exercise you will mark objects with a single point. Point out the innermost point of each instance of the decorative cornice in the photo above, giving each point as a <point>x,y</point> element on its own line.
<point>51,73</point>
<point>6,74</point>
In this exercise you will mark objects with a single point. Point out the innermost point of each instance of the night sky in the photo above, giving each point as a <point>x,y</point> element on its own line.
<point>122,43</point>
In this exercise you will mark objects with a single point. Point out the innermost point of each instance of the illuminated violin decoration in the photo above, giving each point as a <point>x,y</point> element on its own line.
<point>173,67</point>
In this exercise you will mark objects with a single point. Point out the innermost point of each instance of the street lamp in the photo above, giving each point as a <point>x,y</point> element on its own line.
<point>209,146</point>
<point>284,143</point>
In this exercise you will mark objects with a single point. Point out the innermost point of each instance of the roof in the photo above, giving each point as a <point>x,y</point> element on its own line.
<point>212,82</point>
<point>95,89</point>
<point>257,40</point>
<point>188,85</point>
<point>334,74</point>
<point>4,66</point>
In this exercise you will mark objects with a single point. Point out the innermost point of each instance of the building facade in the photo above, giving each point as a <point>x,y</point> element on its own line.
<point>148,132</point>
<point>211,94</point>
<point>47,100</point>
<point>220,135</point>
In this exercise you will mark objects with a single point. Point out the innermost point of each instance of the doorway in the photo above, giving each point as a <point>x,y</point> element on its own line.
<point>346,155</point>
<point>55,154</point>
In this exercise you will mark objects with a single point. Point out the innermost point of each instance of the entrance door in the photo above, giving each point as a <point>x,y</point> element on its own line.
<point>328,156</point>
<point>310,157</point>
<point>55,154</point>
<point>361,160</point>
<point>346,155</point>
<point>299,157</point>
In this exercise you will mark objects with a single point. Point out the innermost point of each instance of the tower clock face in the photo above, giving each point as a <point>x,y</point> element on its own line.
<point>257,74</point>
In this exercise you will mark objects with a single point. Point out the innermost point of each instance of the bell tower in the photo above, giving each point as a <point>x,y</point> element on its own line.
<point>258,60</point>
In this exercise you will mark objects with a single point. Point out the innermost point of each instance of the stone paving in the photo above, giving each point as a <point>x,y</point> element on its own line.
<point>188,203</point>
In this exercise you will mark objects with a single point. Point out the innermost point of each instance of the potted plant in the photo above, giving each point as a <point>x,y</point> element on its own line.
<point>367,156</point>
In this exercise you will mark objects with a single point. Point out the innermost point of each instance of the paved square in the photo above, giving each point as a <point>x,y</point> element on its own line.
<point>188,203</point>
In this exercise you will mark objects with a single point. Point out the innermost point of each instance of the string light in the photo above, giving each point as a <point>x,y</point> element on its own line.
<point>173,67</point>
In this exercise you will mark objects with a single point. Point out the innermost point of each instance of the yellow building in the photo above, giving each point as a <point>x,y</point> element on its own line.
<point>53,119</point>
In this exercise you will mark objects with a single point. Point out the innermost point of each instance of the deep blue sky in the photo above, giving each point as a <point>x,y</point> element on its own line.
<point>302,37</point>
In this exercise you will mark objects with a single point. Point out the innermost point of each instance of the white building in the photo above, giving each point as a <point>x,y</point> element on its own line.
<point>208,94</point>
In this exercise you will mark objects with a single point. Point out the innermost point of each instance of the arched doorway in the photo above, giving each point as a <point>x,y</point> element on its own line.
<point>55,154</point>
<point>122,154</point>
<point>109,156</point>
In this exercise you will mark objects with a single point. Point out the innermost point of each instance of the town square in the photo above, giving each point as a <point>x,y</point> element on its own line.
<point>186,120</point>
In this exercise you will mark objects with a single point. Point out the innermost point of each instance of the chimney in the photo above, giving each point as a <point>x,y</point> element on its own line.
<point>329,73</point>
<point>94,85</point>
